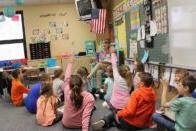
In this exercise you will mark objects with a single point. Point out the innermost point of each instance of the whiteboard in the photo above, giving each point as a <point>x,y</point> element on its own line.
<point>12,51</point>
<point>10,28</point>
<point>182,32</point>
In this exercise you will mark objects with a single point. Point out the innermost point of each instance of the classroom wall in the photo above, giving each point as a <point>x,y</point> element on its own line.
<point>122,30</point>
<point>182,32</point>
<point>116,2</point>
<point>39,17</point>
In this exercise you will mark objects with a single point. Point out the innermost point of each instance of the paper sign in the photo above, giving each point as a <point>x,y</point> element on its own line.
<point>143,32</point>
<point>33,39</point>
<point>172,80</point>
<point>155,73</point>
<point>146,68</point>
<point>59,30</point>
<point>153,28</point>
<point>135,18</point>
<point>53,37</point>
<point>65,36</point>
<point>142,44</point>
<point>2,18</point>
<point>167,74</point>
<point>52,24</point>
<point>132,49</point>
<point>15,18</point>
<point>145,56</point>
<point>35,32</point>
<point>131,67</point>
<point>150,69</point>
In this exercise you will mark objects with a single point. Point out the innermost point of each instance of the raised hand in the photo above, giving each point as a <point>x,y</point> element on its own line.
<point>165,83</point>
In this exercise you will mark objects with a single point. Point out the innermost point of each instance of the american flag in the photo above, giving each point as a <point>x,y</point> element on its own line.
<point>98,20</point>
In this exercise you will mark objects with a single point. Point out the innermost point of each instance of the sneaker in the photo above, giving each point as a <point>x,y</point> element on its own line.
<point>105,105</point>
<point>98,125</point>
<point>94,108</point>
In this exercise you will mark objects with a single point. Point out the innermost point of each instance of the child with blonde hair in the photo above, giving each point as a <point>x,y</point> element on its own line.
<point>47,106</point>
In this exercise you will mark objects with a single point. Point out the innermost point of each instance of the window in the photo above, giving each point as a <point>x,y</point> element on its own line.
<point>12,37</point>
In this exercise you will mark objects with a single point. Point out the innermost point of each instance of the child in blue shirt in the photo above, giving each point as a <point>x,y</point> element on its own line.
<point>34,93</point>
<point>108,84</point>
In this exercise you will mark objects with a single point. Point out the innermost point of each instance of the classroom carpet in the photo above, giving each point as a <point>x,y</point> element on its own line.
<point>18,119</point>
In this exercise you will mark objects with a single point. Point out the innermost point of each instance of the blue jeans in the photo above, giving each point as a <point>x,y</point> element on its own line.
<point>194,93</point>
<point>163,121</point>
<point>110,121</point>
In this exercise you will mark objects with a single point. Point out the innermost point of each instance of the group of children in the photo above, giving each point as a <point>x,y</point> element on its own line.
<point>130,98</point>
<point>48,94</point>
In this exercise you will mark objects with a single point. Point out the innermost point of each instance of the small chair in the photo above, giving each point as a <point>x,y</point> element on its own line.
<point>32,76</point>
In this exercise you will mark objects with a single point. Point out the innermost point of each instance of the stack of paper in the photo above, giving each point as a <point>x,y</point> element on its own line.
<point>167,74</point>
<point>146,68</point>
<point>155,72</point>
<point>172,80</point>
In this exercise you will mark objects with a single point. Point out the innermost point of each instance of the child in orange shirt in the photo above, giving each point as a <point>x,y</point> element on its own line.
<point>47,106</point>
<point>18,90</point>
<point>137,114</point>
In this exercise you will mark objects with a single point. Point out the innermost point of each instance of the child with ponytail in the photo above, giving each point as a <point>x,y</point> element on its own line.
<point>78,103</point>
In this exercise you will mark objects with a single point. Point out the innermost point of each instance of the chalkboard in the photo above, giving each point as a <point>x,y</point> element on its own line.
<point>160,51</point>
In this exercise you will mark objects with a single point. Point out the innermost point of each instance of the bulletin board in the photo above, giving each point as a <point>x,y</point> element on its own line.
<point>160,50</point>
<point>120,32</point>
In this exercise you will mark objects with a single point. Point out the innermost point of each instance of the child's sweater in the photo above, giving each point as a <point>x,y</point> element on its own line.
<point>72,117</point>
<point>121,91</point>
<point>140,107</point>
<point>17,91</point>
<point>46,110</point>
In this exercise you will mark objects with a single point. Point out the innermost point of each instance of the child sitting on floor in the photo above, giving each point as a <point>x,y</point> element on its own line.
<point>79,103</point>
<point>83,73</point>
<point>122,84</point>
<point>184,107</point>
<point>58,85</point>
<point>138,68</point>
<point>34,93</point>
<point>18,90</point>
<point>108,85</point>
<point>137,114</point>
<point>46,106</point>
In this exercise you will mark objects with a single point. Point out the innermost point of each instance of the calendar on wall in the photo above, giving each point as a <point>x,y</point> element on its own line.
<point>40,50</point>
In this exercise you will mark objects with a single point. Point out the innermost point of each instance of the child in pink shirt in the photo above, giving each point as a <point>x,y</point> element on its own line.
<point>46,106</point>
<point>122,84</point>
<point>78,103</point>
